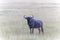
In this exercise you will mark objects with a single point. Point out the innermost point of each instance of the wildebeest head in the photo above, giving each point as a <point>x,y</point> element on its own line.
<point>28,17</point>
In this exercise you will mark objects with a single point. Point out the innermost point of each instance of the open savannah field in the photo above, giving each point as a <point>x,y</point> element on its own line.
<point>13,26</point>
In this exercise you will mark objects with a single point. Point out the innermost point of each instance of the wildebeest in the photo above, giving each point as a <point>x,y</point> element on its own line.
<point>34,23</point>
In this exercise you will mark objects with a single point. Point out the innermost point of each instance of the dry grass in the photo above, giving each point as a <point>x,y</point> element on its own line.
<point>13,26</point>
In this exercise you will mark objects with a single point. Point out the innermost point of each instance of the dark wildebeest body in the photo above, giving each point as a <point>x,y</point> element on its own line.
<point>33,23</point>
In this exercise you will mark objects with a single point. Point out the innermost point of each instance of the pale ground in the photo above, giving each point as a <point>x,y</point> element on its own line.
<point>13,26</point>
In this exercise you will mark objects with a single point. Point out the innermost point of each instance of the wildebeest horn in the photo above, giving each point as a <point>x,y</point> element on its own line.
<point>24,16</point>
<point>32,16</point>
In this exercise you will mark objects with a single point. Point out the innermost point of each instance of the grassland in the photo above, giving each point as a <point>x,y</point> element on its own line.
<point>13,26</point>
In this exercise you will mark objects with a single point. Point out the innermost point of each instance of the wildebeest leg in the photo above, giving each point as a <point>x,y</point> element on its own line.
<point>42,29</point>
<point>32,30</point>
<point>39,30</point>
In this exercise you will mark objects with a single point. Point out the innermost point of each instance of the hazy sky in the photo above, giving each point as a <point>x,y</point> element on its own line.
<point>38,1</point>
